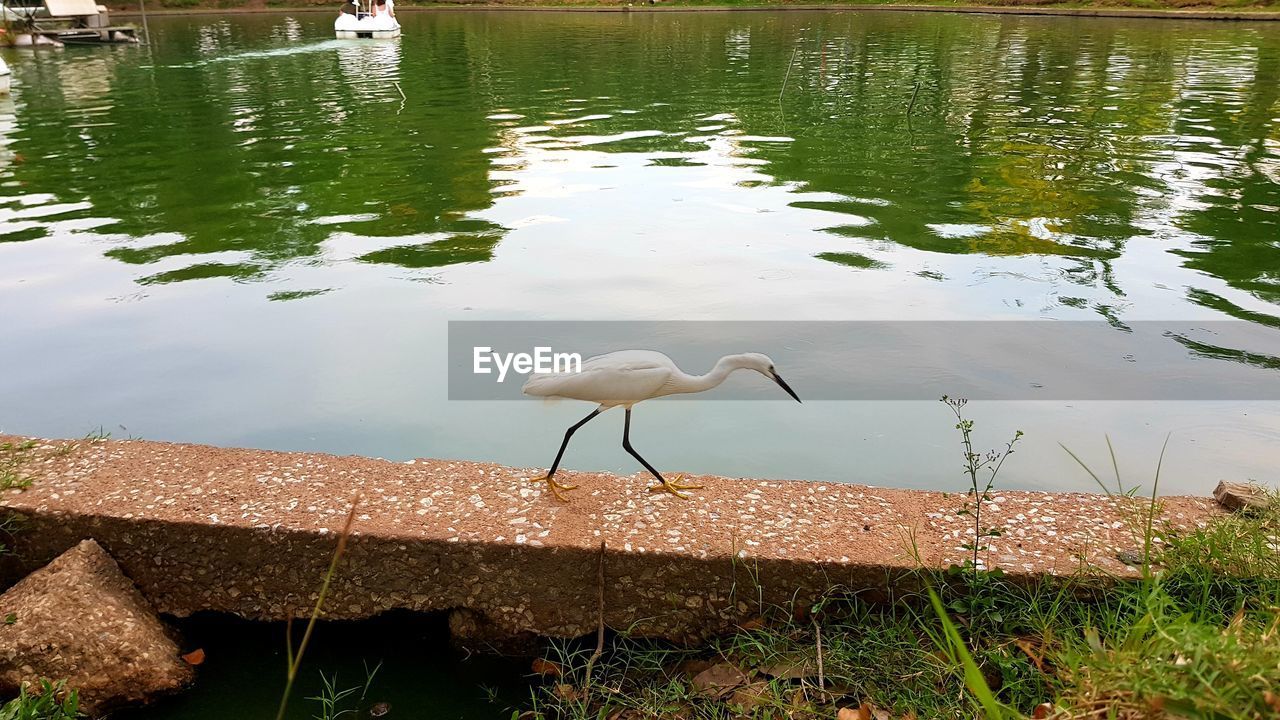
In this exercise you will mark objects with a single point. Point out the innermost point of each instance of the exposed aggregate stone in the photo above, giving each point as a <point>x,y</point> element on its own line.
<point>251,532</point>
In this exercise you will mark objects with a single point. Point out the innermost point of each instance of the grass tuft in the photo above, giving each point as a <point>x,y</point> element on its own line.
<point>53,702</point>
<point>13,457</point>
<point>345,702</point>
<point>295,657</point>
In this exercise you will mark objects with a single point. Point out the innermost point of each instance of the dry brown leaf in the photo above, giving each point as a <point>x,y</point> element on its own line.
<point>751,696</point>
<point>848,713</point>
<point>546,668</point>
<point>719,680</point>
<point>868,711</point>
<point>1236,624</point>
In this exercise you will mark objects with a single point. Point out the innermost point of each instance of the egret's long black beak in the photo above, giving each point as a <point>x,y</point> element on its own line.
<point>783,384</point>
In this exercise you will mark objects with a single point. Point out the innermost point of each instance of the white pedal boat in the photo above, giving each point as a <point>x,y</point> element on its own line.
<point>352,27</point>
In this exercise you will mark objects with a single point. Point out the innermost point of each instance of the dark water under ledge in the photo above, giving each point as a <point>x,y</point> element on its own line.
<point>243,234</point>
<point>417,672</point>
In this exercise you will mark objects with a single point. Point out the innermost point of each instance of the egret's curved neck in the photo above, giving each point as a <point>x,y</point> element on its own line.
<point>685,383</point>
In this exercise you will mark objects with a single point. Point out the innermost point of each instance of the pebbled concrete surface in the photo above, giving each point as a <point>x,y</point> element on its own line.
<point>251,532</point>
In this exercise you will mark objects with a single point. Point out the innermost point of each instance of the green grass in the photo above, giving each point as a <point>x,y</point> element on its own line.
<point>53,702</point>
<point>1201,669</point>
<point>16,456</point>
<point>336,702</point>
<point>13,456</point>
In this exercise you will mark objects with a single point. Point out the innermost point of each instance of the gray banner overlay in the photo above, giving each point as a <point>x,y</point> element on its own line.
<point>910,360</point>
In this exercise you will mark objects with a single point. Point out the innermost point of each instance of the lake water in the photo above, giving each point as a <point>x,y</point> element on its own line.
<point>413,668</point>
<point>244,234</point>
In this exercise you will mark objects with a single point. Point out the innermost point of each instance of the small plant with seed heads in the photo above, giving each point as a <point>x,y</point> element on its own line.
<point>981,469</point>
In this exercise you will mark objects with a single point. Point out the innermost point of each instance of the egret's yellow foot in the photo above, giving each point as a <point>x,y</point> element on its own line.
<point>556,487</point>
<point>674,487</point>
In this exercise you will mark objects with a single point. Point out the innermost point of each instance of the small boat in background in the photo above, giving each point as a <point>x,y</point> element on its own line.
<point>53,23</point>
<point>373,24</point>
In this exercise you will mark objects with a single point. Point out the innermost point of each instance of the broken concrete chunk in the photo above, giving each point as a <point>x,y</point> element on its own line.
<point>1241,497</point>
<point>80,619</point>
<point>1132,558</point>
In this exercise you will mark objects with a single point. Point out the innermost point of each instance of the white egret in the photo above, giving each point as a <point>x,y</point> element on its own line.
<point>627,377</point>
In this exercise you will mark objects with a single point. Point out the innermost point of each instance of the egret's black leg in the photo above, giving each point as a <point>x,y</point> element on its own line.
<point>568,434</point>
<point>551,483</point>
<point>672,486</point>
<point>626,443</point>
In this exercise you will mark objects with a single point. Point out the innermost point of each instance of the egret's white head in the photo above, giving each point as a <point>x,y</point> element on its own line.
<point>762,364</point>
<point>754,361</point>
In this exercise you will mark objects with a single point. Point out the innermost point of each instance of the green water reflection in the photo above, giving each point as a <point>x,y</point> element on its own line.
<point>1029,137</point>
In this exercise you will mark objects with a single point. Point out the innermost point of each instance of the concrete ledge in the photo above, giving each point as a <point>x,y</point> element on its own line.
<point>251,532</point>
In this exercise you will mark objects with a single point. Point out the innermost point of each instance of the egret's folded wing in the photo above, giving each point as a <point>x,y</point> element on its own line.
<point>604,383</point>
<point>638,359</point>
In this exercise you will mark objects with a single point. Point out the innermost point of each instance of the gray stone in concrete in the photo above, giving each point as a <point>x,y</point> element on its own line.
<point>1241,497</point>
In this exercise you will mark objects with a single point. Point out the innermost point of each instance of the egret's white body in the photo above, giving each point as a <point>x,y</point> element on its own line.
<point>627,377</point>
